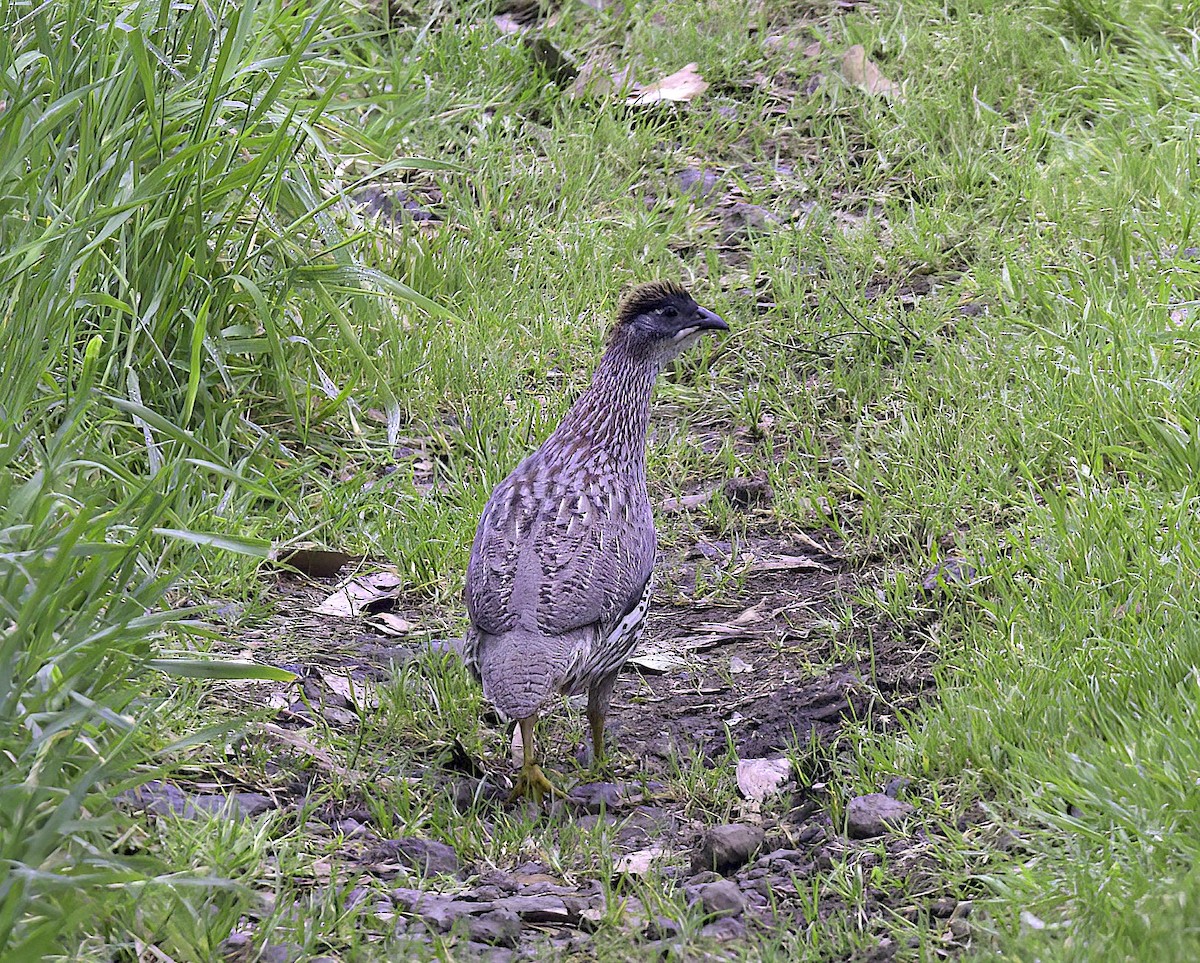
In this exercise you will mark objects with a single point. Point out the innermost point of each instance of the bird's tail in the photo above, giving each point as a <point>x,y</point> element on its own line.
<point>522,669</point>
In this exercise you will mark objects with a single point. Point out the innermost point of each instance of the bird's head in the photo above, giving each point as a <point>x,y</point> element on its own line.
<point>659,319</point>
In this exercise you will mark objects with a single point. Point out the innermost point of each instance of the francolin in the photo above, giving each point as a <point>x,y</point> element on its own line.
<point>560,572</point>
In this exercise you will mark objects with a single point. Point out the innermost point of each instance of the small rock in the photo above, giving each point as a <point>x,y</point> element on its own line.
<point>782,856</point>
<point>157,797</point>
<point>725,930</point>
<point>701,183</point>
<point>947,573</point>
<point>942,908</point>
<point>874,814</point>
<point>959,929</point>
<point>742,217</point>
<point>726,848</point>
<point>722,898</point>
<point>239,805</point>
<point>497,928</point>
<point>897,786</point>
<point>593,797</point>
<point>280,953</point>
<point>427,856</point>
<point>754,492</point>
<point>478,951</point>
<point>662,928</point>
<point>542,909</point>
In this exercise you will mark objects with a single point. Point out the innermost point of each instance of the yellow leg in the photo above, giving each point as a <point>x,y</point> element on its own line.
<point>531,781</point>
<point>599,699</point>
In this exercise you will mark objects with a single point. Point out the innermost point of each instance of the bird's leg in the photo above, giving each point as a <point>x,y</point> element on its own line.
<point>599,698</point>
<point>531,781</point>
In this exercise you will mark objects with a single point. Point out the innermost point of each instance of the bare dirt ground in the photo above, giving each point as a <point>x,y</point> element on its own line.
<point>773,667</point>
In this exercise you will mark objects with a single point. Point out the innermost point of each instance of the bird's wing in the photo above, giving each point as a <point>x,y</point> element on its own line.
<point>492,569</point>
<point>593,572</point>
<point>557,564</point>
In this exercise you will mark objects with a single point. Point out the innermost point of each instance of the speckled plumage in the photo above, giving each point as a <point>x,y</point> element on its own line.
<point>559,577</point>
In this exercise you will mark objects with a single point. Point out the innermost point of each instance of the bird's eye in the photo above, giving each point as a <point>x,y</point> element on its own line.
<point>670,311</point>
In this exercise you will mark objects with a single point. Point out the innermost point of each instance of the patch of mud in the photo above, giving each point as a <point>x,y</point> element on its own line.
<point>778,659</point>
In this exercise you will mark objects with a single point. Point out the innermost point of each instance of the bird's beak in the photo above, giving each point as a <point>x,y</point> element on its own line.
<point>710,321</point>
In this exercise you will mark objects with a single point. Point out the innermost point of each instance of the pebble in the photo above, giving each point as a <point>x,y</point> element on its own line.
<point>427,856</point>
<point>726,848</point>
<point>725,930</point>
<point>699,182</point>
<point>753,492</point>
<point>164,799</point>
<point>543,909</point>
<point>722,898</point>
<point>662,928</point>
<point>497,928</point>
<point>874,814</point>
<point>948,572</point>
<point>594,797</point>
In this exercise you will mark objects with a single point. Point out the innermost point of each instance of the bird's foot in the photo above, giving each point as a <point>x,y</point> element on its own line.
<point>532,784</point>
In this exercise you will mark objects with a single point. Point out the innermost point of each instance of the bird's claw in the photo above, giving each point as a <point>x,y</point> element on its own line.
<point>532,784</point>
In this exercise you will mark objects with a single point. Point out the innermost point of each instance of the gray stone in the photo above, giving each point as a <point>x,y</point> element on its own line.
<point>725,930</point>
<point>593,797</point>
<point>280,953</point>
<point>239,805</point>
<point>486,954</point>
<point>722,898</point>
<point>496,928</point>
<point>699,182</point>
<point>947,573</point>
<point>164,799</point>
<point>427,857</point>
<point>157,797</point>
<point>874,815</point>
<point>662,928</point>
<point>726,848</point>
<point>543,909</point>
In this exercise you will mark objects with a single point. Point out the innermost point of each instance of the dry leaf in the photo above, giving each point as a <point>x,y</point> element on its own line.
<point>758,778</point>
<point>813,543</point>
<point>506,24</point>
<point>389,623</point>
<point>860,71</point>
<point>596,78</point>
<point>656,663</point>
<point>683,85</point>
<point>749,615</point>
<point>687,501</point>
<point>357,692</point>
<point>638,864</point>
<point>362,594</point>
<point>316,562</point>
<point>787,563</point>
<point>321,758</point>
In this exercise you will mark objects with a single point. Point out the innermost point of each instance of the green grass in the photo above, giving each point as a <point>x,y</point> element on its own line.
<point>198,335</point>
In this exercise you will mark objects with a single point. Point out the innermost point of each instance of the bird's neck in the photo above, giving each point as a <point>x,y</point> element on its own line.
<point>612,415</point>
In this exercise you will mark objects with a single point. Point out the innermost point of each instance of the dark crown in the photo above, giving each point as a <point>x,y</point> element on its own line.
<point>647,297</point>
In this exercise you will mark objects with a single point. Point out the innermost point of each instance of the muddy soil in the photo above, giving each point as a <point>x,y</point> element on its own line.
<point>774,666</point>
